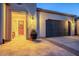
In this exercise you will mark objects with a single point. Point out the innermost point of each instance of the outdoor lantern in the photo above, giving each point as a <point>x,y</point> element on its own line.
<point>32,17</point>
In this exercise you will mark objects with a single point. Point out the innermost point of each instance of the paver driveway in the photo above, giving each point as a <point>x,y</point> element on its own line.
<point>41,47</point>
<point>70,43</point>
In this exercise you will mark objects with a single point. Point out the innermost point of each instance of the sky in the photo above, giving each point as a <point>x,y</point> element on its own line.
<point>69,8</point>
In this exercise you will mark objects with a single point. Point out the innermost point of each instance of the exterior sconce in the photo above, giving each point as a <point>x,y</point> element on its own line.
<point>8,4</point>
<point>19,3</point>
<point>32,17</point>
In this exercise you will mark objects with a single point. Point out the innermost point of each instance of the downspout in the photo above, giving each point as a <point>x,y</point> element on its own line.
<point>1,23</point>
<point>75,26</point>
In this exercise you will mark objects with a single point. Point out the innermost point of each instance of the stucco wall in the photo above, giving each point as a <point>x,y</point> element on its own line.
<point>30,9</point>
<point>44,16</point>
<point>1,23</point>
<point>78,27</point>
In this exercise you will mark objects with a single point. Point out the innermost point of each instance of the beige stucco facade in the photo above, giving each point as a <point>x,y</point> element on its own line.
<point>43,16</point>
<point>30,11</point>
<point>77,24</point>
<point>33,19</point>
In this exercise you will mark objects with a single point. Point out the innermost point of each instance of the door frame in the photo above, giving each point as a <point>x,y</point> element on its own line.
<point>26,22</point>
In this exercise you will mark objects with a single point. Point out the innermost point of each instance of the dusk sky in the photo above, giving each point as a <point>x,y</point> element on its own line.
<point>70,8</point>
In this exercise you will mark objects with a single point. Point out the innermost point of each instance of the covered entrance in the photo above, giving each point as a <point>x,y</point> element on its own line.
<point>55,28</point>
<point>18,25</point>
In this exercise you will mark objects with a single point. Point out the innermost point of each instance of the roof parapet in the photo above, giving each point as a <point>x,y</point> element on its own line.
<point>54,12</point>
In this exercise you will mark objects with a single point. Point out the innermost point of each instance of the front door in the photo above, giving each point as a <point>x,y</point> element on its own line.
<point>18,25</point>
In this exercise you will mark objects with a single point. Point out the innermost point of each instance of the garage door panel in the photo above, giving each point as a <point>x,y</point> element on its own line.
<point>55,28</point>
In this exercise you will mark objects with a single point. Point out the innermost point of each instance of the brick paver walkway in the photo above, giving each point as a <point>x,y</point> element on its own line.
<point>41,47</point>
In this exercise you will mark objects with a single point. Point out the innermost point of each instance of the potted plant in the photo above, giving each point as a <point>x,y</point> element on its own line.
<point>33,35</point>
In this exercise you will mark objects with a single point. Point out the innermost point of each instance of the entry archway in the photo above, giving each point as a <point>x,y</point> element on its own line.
<point>18,25</point>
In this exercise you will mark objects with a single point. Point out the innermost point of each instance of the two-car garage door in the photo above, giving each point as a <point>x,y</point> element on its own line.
<point>55,28</point>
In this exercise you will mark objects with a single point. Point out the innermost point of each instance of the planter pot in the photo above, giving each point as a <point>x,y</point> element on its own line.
<point>33,35</point>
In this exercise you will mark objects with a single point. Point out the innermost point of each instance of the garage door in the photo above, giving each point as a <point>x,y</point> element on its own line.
<point>55,28</point>
<point>18,25</point>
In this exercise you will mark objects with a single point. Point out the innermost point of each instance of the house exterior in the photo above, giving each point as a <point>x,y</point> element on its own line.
<point>77,25</point>
<point>52,23</point>
<point>18,19</point>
